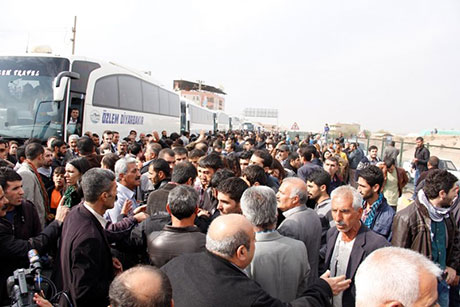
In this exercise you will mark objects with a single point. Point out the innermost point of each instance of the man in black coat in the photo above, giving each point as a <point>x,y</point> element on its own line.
<point>14,251</point>
<point>216,278</point>
<point>420,161</point>
<point>21,212</point>
<point>85,259</point>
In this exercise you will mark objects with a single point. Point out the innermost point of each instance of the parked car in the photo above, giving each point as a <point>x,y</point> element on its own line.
<point>443,164</point>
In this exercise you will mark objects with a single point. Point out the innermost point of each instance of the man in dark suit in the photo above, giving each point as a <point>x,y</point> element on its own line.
<point>86,264</point>
<point>216,278</point>
<point>350,242</point>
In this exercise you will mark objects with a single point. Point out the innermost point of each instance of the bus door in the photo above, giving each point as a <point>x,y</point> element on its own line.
<point>183,116</point>
<point>75,114</point>
<point>77,96</point>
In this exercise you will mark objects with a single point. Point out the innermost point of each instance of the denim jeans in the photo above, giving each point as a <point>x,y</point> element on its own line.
<point>416,177</point>
<point>443,293</point>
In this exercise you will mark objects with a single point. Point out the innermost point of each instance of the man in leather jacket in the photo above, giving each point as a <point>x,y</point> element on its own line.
<point>182,236</point>
<point>428,227</point>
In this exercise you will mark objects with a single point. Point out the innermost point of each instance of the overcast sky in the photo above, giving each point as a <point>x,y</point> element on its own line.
<point>392,65</point>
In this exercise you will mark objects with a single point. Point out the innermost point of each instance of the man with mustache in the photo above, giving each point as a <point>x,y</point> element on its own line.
<point>428,227</point>
<point>128,179</point>
<point>350,242</point>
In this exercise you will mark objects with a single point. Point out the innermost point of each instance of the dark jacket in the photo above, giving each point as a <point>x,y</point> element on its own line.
<point>85,259</point>
<point>14,251</point>
<point>366,242</point>
<point>272,182</point>
<point>383,220</point>
<point>26,222</point>
<point>159,198</point>
<point>422,154</point>
<point>174,241</point>
<point>305,170</point>
<point>354,158</point>
<point>94,160</point>
<point>204,279</point>
<point>412,229</point>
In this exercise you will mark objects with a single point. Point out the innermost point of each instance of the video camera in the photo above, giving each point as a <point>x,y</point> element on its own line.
<point>25,282</point>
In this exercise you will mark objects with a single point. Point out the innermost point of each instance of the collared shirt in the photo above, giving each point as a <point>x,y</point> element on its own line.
<point>339,262</point>
<point>48,172</point>
<point>73,153</point>
<point>291,211</point>
<point>123,194</point>
<point>99,217</point>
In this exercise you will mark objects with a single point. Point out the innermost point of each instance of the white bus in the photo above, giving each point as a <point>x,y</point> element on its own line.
<point>222,121</point>
<point>235,123</point>
<point>38,92</point>
<point>197,118</point>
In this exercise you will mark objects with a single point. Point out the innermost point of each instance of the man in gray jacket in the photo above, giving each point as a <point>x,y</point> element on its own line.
<point>34,189</point>
<point>280,264</point>
<point>301,223</point>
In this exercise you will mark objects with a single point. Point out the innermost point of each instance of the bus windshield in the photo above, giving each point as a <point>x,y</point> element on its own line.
<point>26,94</point>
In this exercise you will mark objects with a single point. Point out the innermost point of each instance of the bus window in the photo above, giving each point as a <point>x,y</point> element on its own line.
<point>151,98</point>
<point>106,92</point>
<point>164,102</point>
<point>174,105</point>
<point>130,93</point>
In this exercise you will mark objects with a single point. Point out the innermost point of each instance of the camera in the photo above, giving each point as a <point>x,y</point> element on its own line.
<point>21,287</point>
<point>24,283</point>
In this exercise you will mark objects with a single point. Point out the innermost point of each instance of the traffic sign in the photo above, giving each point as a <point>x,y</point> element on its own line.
<point>295,126</point>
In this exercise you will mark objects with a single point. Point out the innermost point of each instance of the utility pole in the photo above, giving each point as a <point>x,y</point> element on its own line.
<point>200,82</point>
<point>74,31</point>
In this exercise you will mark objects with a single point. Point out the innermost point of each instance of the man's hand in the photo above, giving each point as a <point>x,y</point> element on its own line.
<point>141,216</point>
<point>337,284</point>
<point>451,275</point>
<point>61,213</point>
<point>41,301</point>
<point>139,209</point>
<point>202,212</point>
<point>127,205</point>
<point>117,266</point>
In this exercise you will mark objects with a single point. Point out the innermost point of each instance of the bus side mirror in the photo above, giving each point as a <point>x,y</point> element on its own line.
<point>60,84</point>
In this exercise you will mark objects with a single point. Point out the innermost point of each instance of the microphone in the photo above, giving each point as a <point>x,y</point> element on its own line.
<point>34,260</point>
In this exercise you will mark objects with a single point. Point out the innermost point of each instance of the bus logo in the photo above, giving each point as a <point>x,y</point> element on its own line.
<point>95,116</point>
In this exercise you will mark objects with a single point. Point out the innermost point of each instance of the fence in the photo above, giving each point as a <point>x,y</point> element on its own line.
<point>407,150</point>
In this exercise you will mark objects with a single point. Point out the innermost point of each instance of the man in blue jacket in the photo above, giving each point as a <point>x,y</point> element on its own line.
<point>377,214</point>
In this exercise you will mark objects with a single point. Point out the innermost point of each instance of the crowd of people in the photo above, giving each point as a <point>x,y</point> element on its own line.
<point>227,219</point>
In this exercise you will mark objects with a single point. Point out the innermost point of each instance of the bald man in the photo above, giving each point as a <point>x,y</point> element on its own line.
<point>300,223</point>
<point>216,277</point>
<point>141,286</point>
